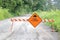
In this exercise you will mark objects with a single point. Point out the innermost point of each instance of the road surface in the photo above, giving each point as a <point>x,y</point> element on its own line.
<point>23,30</point>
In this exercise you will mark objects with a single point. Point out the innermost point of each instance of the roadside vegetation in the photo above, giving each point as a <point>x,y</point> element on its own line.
<point>55,15</point>
<point>4,14</point>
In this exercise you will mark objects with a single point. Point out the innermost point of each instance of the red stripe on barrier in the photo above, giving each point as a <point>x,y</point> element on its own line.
<point>19,19</point>
<point>52,20</point>
<point>27,19</point>
<point>15,19</point>
<point>23,19</point>
<point>12,20</point>
<point>49,20</point>
<point>44,20</point>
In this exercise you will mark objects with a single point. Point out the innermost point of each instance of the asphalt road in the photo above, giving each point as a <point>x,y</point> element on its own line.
<point>25,31</point>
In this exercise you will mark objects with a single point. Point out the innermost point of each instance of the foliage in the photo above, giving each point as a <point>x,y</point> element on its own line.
<point>18,5</point>
<point>55,15</point>
<point>4,14</point>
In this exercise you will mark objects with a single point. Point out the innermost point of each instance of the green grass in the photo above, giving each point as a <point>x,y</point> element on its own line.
<point>51,15</point>
<point>4,14</point>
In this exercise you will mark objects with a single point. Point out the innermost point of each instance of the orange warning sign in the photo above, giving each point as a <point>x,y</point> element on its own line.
<point>35,20</point>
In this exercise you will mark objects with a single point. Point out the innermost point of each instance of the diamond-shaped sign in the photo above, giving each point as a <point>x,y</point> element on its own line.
<point>35,20</point>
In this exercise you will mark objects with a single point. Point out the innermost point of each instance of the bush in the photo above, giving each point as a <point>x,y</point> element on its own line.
<point>4,14</point>
<point>51,15</point>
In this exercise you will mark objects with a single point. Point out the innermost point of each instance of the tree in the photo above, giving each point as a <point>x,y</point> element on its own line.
<point>18,5</point>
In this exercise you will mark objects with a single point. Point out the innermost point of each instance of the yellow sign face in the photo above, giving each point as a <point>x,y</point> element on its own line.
<point>35,20</point>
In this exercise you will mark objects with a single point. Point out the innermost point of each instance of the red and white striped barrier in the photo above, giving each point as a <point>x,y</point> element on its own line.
<point>44,20</point>
<point>14,20</point>
<point>48,20</point>
<point>18,19</point>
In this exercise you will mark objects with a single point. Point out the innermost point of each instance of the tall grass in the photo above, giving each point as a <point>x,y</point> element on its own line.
<point>51,15</point>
